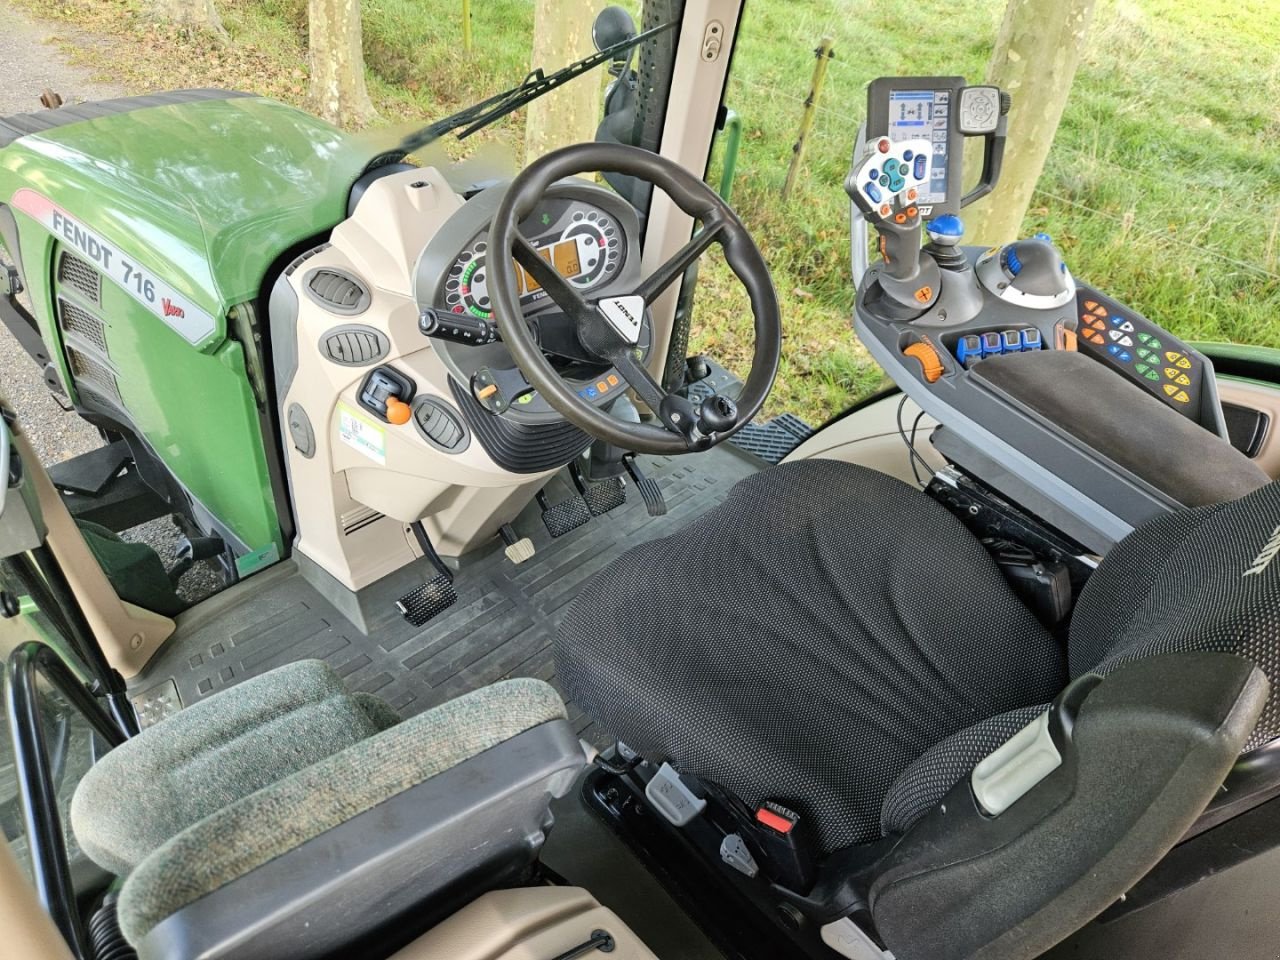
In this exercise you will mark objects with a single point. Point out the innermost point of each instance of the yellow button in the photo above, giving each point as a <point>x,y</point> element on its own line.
<point>1170,389</point>
<point>1182,397</point>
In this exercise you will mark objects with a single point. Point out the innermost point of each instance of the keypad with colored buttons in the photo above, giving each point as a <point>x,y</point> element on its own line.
<point>891,172</point>
<point>602,386</point>
<point>972,348</point>
<point>1149,356</point>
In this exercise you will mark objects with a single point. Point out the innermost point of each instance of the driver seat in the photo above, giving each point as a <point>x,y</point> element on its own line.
<point>832,640</point>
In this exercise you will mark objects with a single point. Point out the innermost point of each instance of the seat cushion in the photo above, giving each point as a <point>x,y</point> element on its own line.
<point>210,755</point>
<point>805,641</point>
<point>243,835</point>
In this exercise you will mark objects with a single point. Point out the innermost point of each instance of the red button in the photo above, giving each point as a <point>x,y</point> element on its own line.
<point>773,821</point>
<point>883,146</point>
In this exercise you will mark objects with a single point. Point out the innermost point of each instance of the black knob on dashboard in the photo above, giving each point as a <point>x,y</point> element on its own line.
<point>717,414</point>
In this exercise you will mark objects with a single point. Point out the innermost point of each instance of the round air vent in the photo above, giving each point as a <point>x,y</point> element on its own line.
<point>440,425</point>
<point>337,292</point>
<point>354,345</point>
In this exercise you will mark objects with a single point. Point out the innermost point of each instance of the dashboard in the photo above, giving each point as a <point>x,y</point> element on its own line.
<point>589,234</point>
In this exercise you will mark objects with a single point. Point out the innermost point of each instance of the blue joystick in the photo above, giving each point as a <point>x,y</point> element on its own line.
<point>946,230</point>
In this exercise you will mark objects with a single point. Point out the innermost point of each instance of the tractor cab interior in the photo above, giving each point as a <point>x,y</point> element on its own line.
<point>495,556</point>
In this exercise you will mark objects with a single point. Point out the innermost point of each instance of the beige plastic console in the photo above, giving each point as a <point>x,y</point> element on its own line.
<point>870,438</point>
<point>534,923</point>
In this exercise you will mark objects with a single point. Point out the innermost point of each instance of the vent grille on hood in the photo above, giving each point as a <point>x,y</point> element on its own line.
<point>337,292</point>
<point>80,277</point>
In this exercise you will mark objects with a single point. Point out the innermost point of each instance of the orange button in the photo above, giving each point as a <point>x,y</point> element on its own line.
<point>613,379</point>
<point>487,391</point>
<point>1091,304</point>
<point>900,218</point>
<point>398,411</point>
<point>884,209</point>
<point>911,194</point>
<point>930,364</point>
<point>602,386</point>
<point>912,211</point>
<point>924,294</point>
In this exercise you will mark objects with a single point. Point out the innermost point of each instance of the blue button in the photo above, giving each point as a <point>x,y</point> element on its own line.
<point>873,173</point>
<point>947,225</point>
<point>992,344</point>
<point>591,393</point>
<point>969,347</point>
<point>874,192</point>
<point>1011,341</point>
<point>1120,353</point>
<point>903,169</point>
<point>907,155</point>
<point>921,162</point>
<point>1044,236</point>
<point>1031,340</point>
<point>1116,321</point>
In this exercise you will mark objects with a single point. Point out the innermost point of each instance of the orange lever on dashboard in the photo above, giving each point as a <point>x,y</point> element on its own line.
<point>398,411</point>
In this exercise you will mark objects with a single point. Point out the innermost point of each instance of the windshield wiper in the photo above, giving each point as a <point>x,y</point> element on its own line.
<point>536,84</point>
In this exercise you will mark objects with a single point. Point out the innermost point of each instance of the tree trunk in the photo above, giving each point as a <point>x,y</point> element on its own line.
<point>338,90</point>
<point>201,14</point>
<point>562,34</point>
<point>1035,59</point>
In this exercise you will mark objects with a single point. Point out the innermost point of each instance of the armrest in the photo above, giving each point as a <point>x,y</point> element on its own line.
<point>1142,753</point>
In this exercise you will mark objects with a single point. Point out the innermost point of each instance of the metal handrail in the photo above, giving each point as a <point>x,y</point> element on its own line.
<point>37,789</point>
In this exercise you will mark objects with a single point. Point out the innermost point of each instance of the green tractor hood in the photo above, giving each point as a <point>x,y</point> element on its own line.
<point>196,192</point>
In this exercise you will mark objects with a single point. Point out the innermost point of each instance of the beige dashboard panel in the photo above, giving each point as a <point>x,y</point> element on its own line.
<point>533,923</point>
<point>870,438</point>
<point>365,480</point>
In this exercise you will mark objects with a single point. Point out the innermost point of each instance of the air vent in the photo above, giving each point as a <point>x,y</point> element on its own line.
<point>337,292</point>
<point>439,425</point>
<point>289,270</point>
<point>80,277</point>
<point>83,324</point>
<point>93,376</point>
<point>358,519</point>
<point>354,345</point>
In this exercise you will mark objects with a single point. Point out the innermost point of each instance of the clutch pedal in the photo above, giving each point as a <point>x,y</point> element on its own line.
<point>432,598</point>
<point>518,548</point>
<point>650,492</point>
<point>437,594</point>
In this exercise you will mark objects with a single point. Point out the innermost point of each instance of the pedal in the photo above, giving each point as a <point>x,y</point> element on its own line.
<point>601,496</point>
<point>429,600</point>
<point>565,517</point>
<point>519,549</point>
<point>649,490</point>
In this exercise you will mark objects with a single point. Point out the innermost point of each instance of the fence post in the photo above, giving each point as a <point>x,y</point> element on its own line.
<point>466,25</point>
<point>824,55</point>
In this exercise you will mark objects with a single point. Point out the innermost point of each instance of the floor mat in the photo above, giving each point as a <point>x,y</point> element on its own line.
<point>500,627</point>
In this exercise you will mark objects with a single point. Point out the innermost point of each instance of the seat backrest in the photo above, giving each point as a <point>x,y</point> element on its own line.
<point>1200,579</point>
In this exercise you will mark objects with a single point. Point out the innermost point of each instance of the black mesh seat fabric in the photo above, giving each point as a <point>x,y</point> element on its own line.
<point>834,639</point>
<point>805,641</point>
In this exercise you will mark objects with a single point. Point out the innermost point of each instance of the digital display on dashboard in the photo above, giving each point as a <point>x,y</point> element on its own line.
<point>563,256</point>
<point>924,115</point>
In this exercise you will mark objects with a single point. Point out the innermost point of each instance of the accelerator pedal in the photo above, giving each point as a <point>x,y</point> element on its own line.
<point>519,549</point>
<point>601,496</point>
<point>437,594</point>
<point>565,517</point>
<point>650,492</point>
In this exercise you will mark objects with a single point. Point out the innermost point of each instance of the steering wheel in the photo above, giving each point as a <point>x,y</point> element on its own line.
<point>609,328</point>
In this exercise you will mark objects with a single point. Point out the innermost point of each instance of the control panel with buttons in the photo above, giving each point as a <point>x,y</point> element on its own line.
<point>892,171</point>
<point>1149,356</point>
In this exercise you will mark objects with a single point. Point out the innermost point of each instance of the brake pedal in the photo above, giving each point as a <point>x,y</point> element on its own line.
<point>519,549</point>
<point>437,594</point>
<point>565,517</point>
<point>649,490</point>
<point>601,496</point>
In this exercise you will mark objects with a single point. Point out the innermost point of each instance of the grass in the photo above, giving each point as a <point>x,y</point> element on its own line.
<point>1163,185</point>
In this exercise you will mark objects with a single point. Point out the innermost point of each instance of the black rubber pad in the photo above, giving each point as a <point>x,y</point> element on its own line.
<point>501,625</point>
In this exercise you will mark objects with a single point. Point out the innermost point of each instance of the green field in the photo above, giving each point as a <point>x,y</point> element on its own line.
<point>1163,185</point>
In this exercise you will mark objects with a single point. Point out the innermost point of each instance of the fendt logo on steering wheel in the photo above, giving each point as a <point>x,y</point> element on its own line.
<point>624,315</point>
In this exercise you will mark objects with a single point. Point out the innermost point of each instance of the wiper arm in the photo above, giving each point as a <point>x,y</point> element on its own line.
<point>536,84</point>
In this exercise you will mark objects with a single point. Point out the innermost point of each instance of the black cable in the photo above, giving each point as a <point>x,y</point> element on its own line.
<point>911,442</point>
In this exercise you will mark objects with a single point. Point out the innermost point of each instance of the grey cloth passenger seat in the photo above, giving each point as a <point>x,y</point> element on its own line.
<point>286,810</point>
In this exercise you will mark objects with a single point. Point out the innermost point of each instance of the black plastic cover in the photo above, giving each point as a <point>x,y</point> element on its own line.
<point>1148,749</point>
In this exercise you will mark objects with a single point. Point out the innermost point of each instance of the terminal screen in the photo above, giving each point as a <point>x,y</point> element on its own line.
<point>924,115</point>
